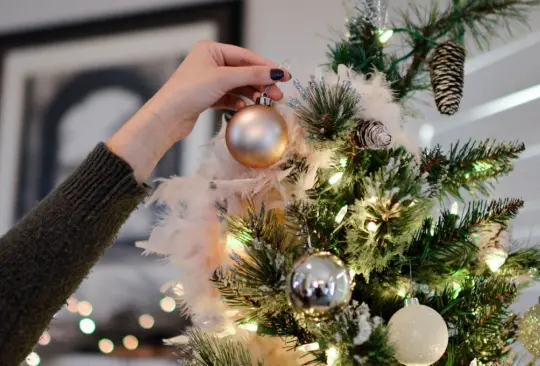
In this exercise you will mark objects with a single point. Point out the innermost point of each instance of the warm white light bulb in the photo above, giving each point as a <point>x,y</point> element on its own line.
<point>146,321</point>
<point>372,226</point>
<point>454,209</point>
<point>331,356</point>
<point>45,339</point>
<point>250,327</point>
<point>495,258</point>
<point>234,244</point>
<point>309,347</point>
<point>84,308</point>
<point>130,342</point>
<point>335,178</point>
<point>341,214</point>
<point>33,359</point>
<point>385,35</point>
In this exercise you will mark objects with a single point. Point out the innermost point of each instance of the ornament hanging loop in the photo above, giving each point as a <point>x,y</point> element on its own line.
<point>264,99</point>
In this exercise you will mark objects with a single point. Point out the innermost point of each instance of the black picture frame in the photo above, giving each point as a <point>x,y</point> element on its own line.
<point>33,184</point>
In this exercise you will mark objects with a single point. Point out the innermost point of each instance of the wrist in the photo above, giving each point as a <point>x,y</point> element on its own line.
<point>141,142</point>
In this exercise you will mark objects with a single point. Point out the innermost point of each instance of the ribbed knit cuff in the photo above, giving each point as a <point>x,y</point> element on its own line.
<point>100,180</point>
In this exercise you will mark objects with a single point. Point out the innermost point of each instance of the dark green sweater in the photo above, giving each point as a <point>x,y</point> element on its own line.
<point>45,257</point>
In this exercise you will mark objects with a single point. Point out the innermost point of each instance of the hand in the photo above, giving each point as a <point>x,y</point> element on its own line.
<point>213,75</point>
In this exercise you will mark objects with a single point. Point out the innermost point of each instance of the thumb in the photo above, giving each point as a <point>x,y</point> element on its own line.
<point>235,77</point>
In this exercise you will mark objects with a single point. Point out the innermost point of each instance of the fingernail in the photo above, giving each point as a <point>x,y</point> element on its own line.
<point>277,74</point>
<point>290,75</point>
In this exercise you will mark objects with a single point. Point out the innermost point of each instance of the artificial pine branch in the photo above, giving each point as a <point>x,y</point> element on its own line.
<point>441,248</point>
<point>482,19</point>
<point>524,261</point>
<point>210,350</point>
<point>473,166</point>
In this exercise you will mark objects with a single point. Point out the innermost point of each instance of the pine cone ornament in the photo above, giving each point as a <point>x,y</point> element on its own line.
<point>447,76</point>
<point>372,135</point>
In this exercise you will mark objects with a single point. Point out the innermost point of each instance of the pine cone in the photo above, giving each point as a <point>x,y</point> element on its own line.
<point>447,76</point>
<point>372,135</point>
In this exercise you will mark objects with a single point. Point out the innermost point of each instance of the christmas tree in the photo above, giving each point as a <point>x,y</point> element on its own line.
<point>346,251</point>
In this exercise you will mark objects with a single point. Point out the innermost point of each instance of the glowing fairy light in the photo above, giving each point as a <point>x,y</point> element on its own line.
<point>106,346</point>
<point>167,304</point>
<point>84,308</point>
<point>372,226</point>
<point>250,327</point>
<point>385,35</point>
<point>495,258</point>
<point>343,162</point>
<point>130,342</point>
<point>335,178</point>
<point>341,214</point>
<point>309,347</point>
<point>87,326</point>
<point>33,359</point>
<point>234,244</point>
<point>454,209</point>
<point>45,339</point>
<point>72,305</point>
<point>331,356</point>
<point>146,321</point>
<point>402,292</point>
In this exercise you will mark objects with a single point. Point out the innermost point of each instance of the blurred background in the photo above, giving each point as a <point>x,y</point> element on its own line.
<point>72,71</point>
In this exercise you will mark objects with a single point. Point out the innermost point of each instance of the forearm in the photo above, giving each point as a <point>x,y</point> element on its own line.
<point>46,256</point>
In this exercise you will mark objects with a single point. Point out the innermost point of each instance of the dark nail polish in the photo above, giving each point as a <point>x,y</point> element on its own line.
<point>277,74</point>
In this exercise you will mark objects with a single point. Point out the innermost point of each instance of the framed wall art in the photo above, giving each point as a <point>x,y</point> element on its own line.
<point>65,88</point>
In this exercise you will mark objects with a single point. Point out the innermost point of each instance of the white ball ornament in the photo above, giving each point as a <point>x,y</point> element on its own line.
<point>418,333</point>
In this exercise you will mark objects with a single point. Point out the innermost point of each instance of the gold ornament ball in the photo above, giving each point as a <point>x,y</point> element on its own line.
<point>529,330</point>
<point>257,136</point>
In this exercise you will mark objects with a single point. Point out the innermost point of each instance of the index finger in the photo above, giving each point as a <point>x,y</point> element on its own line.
<point>238,56</point>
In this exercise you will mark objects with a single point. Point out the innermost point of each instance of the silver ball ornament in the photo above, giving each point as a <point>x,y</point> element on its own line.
<point>257,135</point>
<point>319,282</point>
<point>419,334</point>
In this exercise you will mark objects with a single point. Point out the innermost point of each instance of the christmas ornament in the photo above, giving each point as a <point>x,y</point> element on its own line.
<point>529,330</point>
<point>318,283</point>
<point>419,334</point>
<point>447,76</point>
<point>372,135</point>
<point>257,135</point>
<point>372,11</point>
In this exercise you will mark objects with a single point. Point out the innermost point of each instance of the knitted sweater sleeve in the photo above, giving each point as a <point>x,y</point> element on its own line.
<point>45,257</point>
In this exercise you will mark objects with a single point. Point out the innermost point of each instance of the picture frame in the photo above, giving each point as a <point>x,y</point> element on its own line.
<point>65,88</point>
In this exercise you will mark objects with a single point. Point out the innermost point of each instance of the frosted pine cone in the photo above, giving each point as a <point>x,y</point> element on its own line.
<point>447,76</point>
<point>372,135</point>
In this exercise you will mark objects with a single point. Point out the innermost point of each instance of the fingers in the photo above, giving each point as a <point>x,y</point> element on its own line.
<point>236,77</point>
<point>255,92</point>
<point>230,102</point>
<point>237,56</point>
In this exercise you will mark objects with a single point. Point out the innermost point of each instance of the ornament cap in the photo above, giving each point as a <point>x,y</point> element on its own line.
<point>412,301</point>
<point>264,100</point>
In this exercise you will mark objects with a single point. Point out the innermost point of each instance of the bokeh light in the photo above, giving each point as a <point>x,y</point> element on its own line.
<point>45,339</point>
<point>106,346</point>
<point>87,326</point>
<point>146,321</point>
<point>167,304</point>
<point>84,308</point>
<point>33,359</point>
<point>130,342</point>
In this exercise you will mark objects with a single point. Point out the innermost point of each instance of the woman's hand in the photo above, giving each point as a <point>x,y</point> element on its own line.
<point>213,75</point>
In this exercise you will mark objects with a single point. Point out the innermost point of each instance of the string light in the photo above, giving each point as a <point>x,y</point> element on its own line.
<point>309,347</point>
<point>454,209</point>
<point>146,321</point>
<point>343,162</point>
<point>130,342</point>
<point>87,326</point>
<point>234,244</point>
<point>341,214</point>
<point>106,346</point>
<point>385,35</point>
<point>250,327</point>
<point>84,308</point>
<point>72,305</point>
<point>495,258</point>
<point>167,304</point>
<point>372,226</point>
<point>331,356</point>
<point>45,339</point>
<point>33,359</point>
<point>335,178</point>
